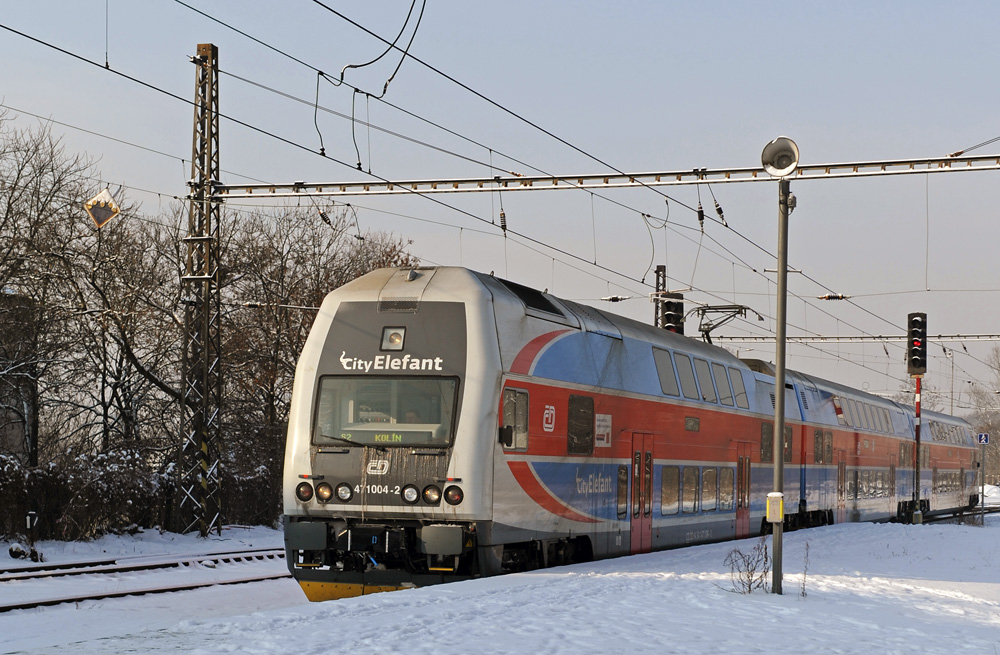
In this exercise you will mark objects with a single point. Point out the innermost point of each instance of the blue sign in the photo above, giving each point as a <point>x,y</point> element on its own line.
<point>984,438</point>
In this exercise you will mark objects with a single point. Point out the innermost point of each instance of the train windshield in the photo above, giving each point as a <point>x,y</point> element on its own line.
<point>386,412</point>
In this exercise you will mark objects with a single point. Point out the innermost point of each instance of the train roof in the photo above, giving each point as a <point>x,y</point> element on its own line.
<point>451,283</point>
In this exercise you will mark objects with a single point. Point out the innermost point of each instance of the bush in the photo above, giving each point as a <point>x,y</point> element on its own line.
<point>749,571</point>
<point>85,498</point>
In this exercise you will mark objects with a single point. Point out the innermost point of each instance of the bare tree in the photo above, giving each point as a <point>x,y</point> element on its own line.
<point>39,186</point>
<point>930,398</point>
<point>91,330</point>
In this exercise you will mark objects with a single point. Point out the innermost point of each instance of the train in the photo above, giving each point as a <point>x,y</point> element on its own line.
<point>447,424</point>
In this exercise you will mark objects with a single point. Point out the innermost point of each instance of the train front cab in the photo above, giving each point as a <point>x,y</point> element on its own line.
<point>390,501</point>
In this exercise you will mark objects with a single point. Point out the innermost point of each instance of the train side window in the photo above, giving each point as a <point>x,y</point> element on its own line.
<point>880,413</point>
<point>866,417</point>
<point>722,382</point>
<point>766,442</point>
<point>670,490</point>
<point>828,446</point>
<point>665,371</point>
<point>739,389</point>
<point>856,411</point>
<point>622,491</point>
<point>580,433</point>
<point>852,413</point>
<point>869,419</point>
<point>726,489</point>
<point>515,417</point>
<point>709,489</point>
<point>686,374</point>
<point>849,413</point>
<point>689,490</point>
<point>876,424</point>
<point>818,447</point>
<point>705,381</point>
<point>787,445</point>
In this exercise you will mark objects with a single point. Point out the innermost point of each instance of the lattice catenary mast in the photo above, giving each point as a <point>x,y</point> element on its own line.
<point>201,395</point>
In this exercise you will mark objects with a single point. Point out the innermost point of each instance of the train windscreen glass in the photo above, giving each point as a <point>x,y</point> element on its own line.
<point>385,412</point>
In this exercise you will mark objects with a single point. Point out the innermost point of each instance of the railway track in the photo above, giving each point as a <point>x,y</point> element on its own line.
<point>969,516</point>
<point>142,578</point>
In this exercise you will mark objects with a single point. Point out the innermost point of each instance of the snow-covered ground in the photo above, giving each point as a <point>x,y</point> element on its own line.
<point>847,589</point>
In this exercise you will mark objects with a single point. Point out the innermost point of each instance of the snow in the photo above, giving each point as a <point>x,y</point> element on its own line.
<point>852,588</point>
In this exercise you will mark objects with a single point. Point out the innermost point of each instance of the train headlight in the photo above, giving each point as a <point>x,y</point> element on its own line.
<point>453,495</point>
<point>410,494</point>
<point>432,494</point>
<point>324,492</point>
<point>392,338</point>
<point>304,492</point>
<point>344,492</point>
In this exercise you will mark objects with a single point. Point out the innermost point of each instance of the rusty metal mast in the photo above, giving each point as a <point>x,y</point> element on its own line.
<point>199,505</point>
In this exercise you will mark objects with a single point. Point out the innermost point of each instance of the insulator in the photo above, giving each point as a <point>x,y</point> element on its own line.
<point>718,210</point>
<point>701,217</point>
<point>503,222</point>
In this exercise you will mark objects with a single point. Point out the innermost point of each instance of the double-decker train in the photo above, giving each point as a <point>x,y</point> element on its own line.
<point>447,424</point>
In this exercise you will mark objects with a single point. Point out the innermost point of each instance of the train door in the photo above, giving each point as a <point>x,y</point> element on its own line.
<point>892,485</point>
<point>743,450</point>
<point>642,492</point>
<point>841,486</point>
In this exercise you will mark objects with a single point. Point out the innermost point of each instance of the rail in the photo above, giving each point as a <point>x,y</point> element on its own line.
<point>138,564</point>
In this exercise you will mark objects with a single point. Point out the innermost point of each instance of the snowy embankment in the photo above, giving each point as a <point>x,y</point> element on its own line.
<point>847,588</point>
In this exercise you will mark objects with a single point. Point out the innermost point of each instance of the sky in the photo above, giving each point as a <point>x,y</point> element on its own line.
<point>850,588</point>
<point>581,87</point>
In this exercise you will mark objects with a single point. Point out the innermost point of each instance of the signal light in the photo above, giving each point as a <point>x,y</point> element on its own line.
<point>672,309</point>
<point>916,343</point>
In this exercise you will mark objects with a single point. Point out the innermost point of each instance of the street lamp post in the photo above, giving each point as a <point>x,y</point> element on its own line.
<point>780,158</point>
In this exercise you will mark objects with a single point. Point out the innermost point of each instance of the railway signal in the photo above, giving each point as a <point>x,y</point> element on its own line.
<point>673,312</point>
<point>916,343</point>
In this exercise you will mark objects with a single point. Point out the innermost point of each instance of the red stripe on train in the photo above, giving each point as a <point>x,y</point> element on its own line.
<point>525,358</point>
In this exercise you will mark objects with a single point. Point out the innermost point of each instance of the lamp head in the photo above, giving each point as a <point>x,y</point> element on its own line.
<point>780,157</point>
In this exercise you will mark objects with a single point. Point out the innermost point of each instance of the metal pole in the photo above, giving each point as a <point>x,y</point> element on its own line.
<point>951,354</point>
<point>918,516</point>
<point>779,376</point>
<point>982,480</point>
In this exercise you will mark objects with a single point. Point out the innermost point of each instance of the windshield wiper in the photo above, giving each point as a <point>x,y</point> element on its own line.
<point>341,439</point>
<point>381,449</point>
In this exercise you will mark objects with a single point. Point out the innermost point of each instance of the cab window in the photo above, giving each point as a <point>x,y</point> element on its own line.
<point>515,417</point>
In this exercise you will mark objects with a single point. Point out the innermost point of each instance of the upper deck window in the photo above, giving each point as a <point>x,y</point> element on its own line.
<point>665,371</point>
<point>739,389</point>
<point>385,412</point>
<point>686,373</point>
<point>705,381</point>
<point>722,382</point>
